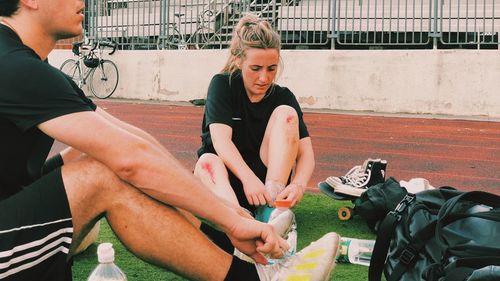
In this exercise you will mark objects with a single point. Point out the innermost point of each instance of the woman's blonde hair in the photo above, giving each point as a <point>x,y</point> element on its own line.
<point>250,32</point>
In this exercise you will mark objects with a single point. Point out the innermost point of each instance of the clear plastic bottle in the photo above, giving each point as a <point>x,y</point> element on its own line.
<point>291,234</point>
<point>355,251</point>
<point>106,270</point>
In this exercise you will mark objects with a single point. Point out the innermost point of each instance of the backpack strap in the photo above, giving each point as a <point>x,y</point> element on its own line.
<point>384,237</point>
<point>411,251</point>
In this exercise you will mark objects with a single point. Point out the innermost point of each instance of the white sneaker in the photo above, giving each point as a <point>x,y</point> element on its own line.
<point>282,223</point>
<point>359,178</point>
<point>354,173</point>
<point>314,263</point>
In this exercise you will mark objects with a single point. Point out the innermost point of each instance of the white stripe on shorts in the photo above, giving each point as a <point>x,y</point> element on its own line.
<point>32,226</point>
<point>35,243</point>
<point>35,262</point>
<point>20,263</point>
<point>30,255</point>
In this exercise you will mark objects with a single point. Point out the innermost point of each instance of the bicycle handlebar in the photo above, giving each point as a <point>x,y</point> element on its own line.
<point>104,44</point>
<point>109,44</point>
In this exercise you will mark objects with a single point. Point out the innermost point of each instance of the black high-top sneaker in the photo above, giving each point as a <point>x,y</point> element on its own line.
<point>359,178</point>
<point>377,174</point>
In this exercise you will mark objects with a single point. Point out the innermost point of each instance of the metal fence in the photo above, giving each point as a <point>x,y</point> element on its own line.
<point>195,24</point>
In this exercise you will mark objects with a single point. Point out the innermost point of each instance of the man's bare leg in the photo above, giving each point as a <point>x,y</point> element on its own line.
<point>155,232</point>
<point>280,145</point>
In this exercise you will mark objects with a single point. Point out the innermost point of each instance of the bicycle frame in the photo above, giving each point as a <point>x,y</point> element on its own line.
<point>197,40</point>
<point>84,72</point>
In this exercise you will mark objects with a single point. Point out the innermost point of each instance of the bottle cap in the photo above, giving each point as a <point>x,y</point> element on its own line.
<point>105,253</point>
<point>282,204</point>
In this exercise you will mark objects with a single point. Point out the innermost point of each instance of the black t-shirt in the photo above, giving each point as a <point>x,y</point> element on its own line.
<point>227,103</point>
<point>31,92</point>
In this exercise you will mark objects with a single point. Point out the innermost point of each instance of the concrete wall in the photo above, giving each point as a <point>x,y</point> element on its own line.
<point>451,82</point>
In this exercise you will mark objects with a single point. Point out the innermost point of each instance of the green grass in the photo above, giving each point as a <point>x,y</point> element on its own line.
<point>316,215</point>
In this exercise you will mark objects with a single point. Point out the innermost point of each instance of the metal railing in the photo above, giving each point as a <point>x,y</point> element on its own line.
<point>468,22</point>
<point>379,22</point>
<point>194,24</point>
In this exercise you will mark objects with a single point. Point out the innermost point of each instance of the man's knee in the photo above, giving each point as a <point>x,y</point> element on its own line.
<point>88,176</point>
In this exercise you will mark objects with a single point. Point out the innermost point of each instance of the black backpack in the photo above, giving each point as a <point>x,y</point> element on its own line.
<point>440,234</point>
<point>378,200</point>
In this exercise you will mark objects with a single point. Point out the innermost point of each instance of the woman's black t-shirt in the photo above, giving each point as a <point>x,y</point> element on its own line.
<point>31,92</point>
<point>227,103</point>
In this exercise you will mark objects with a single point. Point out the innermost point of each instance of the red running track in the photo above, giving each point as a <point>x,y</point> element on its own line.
<point>458,153</point>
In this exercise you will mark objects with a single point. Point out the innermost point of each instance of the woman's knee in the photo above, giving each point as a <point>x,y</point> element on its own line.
<point>207,162</point>
<point>285,114</point>
<point>209,158</point>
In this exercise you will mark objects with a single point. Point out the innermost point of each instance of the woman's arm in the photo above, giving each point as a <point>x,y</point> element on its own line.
<point>254,189</point>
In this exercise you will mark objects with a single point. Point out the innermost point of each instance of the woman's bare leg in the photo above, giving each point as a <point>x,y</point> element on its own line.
<point>280,145</point>
<point>213,173</point>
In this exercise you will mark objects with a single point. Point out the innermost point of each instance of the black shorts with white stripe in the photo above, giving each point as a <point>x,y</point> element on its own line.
<point>36,231</point>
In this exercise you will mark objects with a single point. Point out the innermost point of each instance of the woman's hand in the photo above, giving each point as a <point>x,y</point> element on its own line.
<point>256,192</point>
<point>293,192</point>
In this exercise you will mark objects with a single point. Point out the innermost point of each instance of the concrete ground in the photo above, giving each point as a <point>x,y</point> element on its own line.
<point>461,153</point>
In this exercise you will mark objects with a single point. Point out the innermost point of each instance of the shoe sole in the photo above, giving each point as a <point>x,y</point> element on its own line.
<point>330,192</point>
<point>349,190</point>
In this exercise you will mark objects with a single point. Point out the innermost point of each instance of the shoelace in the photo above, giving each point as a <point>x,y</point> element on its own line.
<point>358,178</point>
<point>352,173</point>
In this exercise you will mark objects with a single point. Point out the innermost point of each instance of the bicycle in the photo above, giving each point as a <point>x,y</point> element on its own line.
<point>197,40</point>
<point>173,41</point>
<point>103,73</point>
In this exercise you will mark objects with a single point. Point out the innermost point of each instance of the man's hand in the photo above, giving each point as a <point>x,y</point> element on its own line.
<point>293,192</point>
<point>257,240</point>
<point>256,192</point>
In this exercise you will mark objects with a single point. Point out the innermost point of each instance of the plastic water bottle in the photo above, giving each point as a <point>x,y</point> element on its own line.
<point>106,270</point>
<point>355,251</point>
<point>291,235</point>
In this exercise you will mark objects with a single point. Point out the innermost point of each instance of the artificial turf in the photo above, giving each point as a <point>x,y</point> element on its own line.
<point>315,215</point>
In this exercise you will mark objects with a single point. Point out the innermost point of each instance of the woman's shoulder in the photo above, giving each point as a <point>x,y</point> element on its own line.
<point>223,85</point>
<point>223,77</point>
<point>219,81</point>
<point>232,81</point>
<point>282,91</point>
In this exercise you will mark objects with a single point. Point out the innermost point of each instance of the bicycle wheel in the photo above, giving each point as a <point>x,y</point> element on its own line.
<point>104,79</point>
<point>71,68</point>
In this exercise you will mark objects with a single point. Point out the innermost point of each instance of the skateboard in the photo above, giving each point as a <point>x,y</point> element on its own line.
<point>344,213</point>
